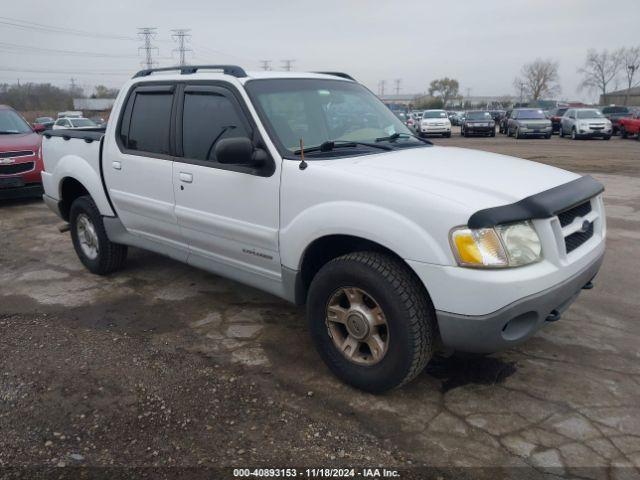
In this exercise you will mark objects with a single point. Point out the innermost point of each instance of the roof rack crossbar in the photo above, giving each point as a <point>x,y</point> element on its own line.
<point>232,70</point>
<point>338,74</point>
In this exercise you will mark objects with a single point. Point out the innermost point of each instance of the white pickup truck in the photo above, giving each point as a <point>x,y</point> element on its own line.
<point>306,186</point>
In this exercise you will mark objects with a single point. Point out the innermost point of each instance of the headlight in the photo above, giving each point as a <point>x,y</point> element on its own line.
<point>510,245</point>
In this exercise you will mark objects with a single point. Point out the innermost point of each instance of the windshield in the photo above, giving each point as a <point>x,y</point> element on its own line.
<point>81,122</point>
<point>318,111</point>
<point>434,114</point>
<point>479,116</point>
<point>44,119</point>
<point>11,122</point>
<point>531,115</point>
<point>589,114</point>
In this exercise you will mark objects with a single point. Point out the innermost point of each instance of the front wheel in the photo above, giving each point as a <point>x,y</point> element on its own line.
<point>561,132</point>
<point>94,249</point>
<point>447,135</point>
<point>623,132</point>
<point>574,134</point>
<point>371,320</point>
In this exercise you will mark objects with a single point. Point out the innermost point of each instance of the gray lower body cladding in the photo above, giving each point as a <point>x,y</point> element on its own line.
<point>515,323</point>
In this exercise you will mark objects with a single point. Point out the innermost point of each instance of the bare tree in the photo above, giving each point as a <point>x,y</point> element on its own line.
<point>630,63</point>
<point>599,70</point>
<point>538,79</point>
<point>446,89</point>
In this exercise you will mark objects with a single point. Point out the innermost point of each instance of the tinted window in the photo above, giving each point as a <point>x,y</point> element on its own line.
<point>208,117</point>
<point>150,119</point>
<point>589,114</point>
<point>531,114</point>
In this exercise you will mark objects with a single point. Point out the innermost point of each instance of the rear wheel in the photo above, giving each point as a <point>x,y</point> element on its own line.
<point>94,249</point>
<point>623,132</point>
<point>371,321</point>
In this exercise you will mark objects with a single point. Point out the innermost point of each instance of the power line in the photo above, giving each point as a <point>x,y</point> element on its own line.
<point>27,49</point>
<point>265,64</point>
<point>287,64</point>
<point>26,25</point>
<point>182,36</point>
<point>147,34</point>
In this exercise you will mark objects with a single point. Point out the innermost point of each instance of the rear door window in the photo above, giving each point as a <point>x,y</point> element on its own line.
<point>146,123</point>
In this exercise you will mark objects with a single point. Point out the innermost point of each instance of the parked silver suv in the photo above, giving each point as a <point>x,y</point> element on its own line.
<point>585,122</point>
<point>531,122</point>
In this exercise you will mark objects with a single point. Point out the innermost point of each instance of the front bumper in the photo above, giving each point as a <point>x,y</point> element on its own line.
<point>26,191</point>
<point>479,130</point>
<point>535,132</point>
<point>515,323</point>
<point>435,129</point>
<point>595,133</point>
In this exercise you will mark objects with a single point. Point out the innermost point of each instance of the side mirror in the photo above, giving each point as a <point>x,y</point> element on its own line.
<point>38,128</point>
<point>239,151</point>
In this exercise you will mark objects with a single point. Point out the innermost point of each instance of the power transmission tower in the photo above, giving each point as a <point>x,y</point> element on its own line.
<point>266,64</point>
<point>147,34</point>
<point>398,82</point>
<point>182,36</point>
<point>381,85</point>
<point>287,64</point>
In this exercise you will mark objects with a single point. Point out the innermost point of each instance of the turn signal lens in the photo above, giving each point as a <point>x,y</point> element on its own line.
<point>510,245</point>
<point>478,248</point>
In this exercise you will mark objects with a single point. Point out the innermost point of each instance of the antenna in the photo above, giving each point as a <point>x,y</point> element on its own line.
<point>303,164</point>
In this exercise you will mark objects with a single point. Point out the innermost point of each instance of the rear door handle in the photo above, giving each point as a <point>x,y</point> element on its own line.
<point>186,177</point>
<point>117,165</point>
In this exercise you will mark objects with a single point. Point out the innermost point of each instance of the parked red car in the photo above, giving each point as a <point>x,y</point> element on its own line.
<point>630,126</point>
<point>20,156</point>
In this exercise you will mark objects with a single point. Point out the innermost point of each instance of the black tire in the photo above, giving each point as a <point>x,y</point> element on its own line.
<point>508,131</point>
<point>574,134</point>
<point>561,132</point>
<point>110,256</point>
<point>607,137</point>
<point>447,135</point>
<point>517,134</point>
<point>493,134</point>
<point>406,306</point>
<point>623,132</point>
<point>462,134</point>
<point>547,136</point>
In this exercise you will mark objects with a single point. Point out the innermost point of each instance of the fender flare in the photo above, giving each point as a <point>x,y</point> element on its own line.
<point>73,166</point>
<point>394,232</point>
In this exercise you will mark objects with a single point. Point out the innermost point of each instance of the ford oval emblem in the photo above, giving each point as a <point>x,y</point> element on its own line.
<point>585,226</point>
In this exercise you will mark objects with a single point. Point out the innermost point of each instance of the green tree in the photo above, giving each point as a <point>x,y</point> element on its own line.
<point>100,91</point>
<point>446,89</point>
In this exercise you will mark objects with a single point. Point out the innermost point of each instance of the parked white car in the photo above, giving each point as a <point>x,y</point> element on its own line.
<point>434,122</point>
<point>585,123</point>
<point>72,123</point>
<point>398,248</point>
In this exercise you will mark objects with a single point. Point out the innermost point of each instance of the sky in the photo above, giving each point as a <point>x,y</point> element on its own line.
<point>483,44</point>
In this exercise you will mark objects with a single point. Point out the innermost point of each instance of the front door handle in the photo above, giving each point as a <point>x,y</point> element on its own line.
<point>186,177</point>
<point>117,165</point>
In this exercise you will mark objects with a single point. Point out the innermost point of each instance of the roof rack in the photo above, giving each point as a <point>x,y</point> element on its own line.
<point>232,70</point>
<point>338,74</point>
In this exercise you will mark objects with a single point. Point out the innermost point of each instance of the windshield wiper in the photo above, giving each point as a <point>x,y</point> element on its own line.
<point>394,136</point>
<point>8,132</point>
<point>330,145</point>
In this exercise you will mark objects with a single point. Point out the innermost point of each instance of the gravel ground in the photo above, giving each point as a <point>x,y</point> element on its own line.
<point>162,365</point>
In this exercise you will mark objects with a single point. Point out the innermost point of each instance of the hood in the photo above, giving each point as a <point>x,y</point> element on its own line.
<point>467,177</point>
<point>20,141</point>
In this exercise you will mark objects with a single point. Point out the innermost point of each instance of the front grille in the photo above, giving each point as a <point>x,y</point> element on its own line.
<point>16,168</point>
<point>20,153</point>
<point>576,239</point>
<point>568,216</point>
